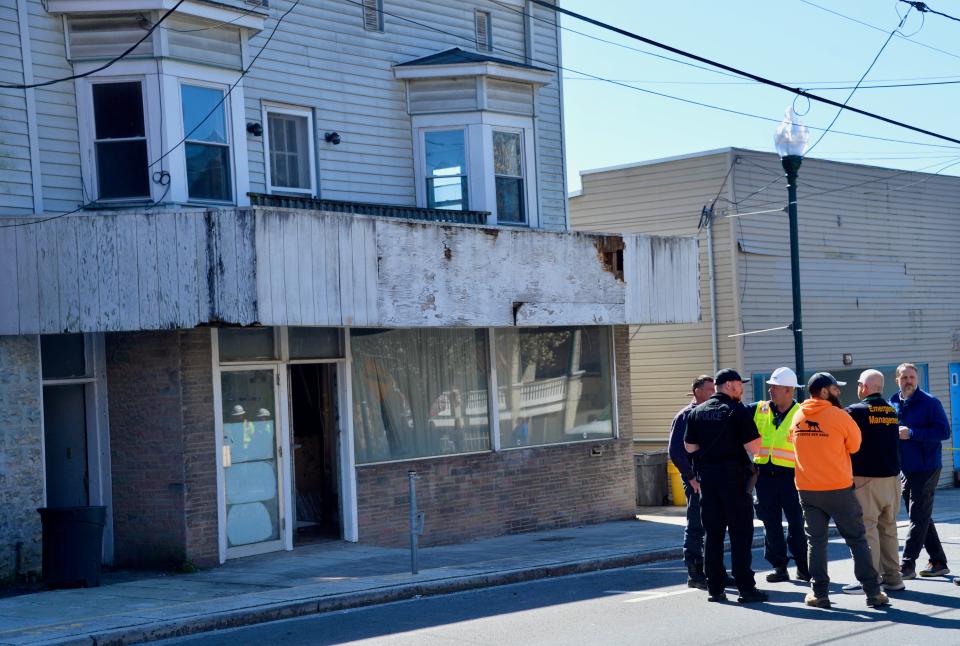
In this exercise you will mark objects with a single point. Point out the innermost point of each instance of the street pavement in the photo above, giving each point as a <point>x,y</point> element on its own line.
<point>646,604</point>
<point>334,576</point>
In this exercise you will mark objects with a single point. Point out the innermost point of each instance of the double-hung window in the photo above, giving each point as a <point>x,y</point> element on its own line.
<point>289,141</point>
<point>445,152</point>
<point>508,177</point>
<point>207,144</point>
<point>120,141</point>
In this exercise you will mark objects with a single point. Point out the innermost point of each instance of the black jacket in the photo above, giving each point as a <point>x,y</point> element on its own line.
<point>879,454</point>
<point>721,426</point>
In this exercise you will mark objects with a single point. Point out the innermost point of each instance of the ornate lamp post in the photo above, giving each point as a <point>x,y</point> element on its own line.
<point>791,141</point>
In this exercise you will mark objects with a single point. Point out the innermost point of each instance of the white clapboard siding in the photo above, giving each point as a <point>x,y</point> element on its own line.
<point>165,269</point>
<point>203,42</point>
<point>442,95</point>
<point>104,36</point>
<point>507,96</point>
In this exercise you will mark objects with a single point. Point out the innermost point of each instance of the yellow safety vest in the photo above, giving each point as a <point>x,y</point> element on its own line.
<point>775,440</point>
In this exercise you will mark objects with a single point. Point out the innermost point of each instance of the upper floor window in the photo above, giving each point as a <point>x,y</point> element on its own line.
<point>446,171</point>
<point>120,140</point>
<point>289,142</point>
<point>508,176</point>
<point>207,146</point>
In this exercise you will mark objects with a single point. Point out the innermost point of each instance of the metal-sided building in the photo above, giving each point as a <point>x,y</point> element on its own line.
<point>878,262</point>
<point>263,264</point>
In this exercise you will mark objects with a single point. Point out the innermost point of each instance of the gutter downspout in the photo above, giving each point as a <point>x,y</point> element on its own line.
<point>714,338</point>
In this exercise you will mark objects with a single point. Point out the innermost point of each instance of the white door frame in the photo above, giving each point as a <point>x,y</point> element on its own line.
<point>282,440</point>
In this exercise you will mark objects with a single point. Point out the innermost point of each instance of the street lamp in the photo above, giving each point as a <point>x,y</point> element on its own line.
<point>791,142</point>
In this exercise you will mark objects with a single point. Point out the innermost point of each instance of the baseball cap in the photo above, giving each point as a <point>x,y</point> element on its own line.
<point>821,380</point>
<point>725,375</point>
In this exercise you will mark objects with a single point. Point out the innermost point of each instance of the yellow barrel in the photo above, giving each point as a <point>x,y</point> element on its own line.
<point>676,486</point>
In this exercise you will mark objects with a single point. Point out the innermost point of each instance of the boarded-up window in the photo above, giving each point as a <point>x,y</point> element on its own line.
<point>484,32</point>
<point>373,15</point>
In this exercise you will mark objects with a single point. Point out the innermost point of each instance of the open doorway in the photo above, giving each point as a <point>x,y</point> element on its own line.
<point>313,390</point>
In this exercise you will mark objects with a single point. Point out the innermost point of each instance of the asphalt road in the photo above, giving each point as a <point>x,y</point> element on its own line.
<point>639,605</point>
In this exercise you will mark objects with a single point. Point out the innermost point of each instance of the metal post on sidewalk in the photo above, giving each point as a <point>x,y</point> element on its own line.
<point>414,521</point>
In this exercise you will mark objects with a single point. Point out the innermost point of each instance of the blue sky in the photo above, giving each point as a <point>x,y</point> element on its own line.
<point>791,41</point>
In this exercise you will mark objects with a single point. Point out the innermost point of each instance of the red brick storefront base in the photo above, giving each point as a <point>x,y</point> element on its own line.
<point>516,490</point>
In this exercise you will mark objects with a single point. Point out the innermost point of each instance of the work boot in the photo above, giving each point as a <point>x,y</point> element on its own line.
<point>752,596</point>
<point>877,600</point>
<point>908,570</point>
<point>814,601</point>
<point>778,575</point>
<point>695,576</point>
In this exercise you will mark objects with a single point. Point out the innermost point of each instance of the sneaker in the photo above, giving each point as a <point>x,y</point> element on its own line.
<point>803,575</point>
<point>716,598</point>
<point>814,601</point>
<point>752,596</point>
<point>778,575</point>
<point>935,569</point>
<point>877,600</point>
<point>907,571</point>
<point>893,587</point>
<point>853,588</point>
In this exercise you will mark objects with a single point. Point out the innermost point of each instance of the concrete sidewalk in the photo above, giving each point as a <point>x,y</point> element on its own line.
<point>337,575</point>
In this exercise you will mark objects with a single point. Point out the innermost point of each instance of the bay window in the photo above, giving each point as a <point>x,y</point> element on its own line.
<point>446,169</point>
<point>207,146</point>
<point>508,177</point>
<point>120,140</point>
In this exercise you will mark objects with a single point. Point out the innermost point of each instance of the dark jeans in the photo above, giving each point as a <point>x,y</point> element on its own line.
<point>693,532</point>
<point>918,491</point>
<point>842,506</point>
<point>777,497</point>
<point>726,507</point>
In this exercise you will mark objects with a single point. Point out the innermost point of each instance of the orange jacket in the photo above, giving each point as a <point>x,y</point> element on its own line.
<point>823,437</point>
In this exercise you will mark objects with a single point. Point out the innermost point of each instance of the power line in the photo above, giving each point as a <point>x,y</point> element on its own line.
<point>875,86</point>
<point>863,76</point>
<point>924,8</point>
<point>129,50</point>
<point>255,8</point>
<point>880,29</point>
<point>759,79</point>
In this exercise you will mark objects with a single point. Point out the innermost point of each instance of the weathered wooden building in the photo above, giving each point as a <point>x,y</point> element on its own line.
<point>878,262</point>
<point>270,259</point>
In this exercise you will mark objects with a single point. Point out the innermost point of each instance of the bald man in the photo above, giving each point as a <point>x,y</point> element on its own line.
<point>876,467</point>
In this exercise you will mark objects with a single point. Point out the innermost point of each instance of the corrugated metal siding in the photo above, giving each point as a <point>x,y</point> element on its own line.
<point>15,174</point>
<point>666,199</point>
<point>878,263</point>
<point>56,113</point>
<point>442,95</point>
<point>549,123</point>
<point>507,96</point>
<point>213,46</point>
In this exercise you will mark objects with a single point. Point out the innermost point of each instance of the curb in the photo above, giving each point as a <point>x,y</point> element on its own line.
<point>155,630</point>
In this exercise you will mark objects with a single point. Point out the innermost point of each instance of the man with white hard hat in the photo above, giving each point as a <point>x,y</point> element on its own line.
<point>776,490</point>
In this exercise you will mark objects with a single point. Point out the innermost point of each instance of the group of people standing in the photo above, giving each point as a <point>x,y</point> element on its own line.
<point>809,462</point>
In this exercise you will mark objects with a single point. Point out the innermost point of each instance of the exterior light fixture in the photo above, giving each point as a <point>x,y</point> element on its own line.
<point>332,137</point>
<point>255,129</point>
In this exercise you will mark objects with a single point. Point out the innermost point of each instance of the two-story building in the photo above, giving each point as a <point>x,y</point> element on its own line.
<point>257,262</point>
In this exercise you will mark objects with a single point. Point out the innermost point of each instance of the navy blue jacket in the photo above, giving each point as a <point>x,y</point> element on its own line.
<point>923,414</point>
<point>678,452</point>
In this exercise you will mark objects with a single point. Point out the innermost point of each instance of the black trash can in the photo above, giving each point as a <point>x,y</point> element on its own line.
<point>72,545</point>
<point>651,473</point>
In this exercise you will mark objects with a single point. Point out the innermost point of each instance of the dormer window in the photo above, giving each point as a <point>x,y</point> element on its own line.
<point>473,120</point>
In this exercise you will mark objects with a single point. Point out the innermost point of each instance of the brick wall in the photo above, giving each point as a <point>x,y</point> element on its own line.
<point>490,494</point>
<point>162,447</point>
<point>21,454</point>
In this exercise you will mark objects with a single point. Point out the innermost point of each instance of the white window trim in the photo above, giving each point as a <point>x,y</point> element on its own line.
<point>482,189</point>
<point>230,145</point>
<point>266,109</point>
<point>166,129</point>
<point>524,168</point>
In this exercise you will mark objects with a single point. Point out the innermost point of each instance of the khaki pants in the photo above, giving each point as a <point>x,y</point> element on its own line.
<point>880,498</point>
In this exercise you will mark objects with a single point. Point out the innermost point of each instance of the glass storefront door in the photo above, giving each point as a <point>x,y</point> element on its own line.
<point>252,468</point>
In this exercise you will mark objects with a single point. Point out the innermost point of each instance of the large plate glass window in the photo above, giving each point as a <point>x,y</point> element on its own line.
<point>250,461</point>
<point>290,140</point>
<point>419,392</point>
<point>555,385</point>
<point>446,169</point>
<point>508,174</point>
<point>207,148</point>
<point>120,140</point>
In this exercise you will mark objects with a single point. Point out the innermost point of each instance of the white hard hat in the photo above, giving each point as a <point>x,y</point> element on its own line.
<point>783,377</point>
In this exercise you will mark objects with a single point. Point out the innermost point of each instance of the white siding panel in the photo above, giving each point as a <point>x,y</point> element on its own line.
<point>108,272</point>
<point>507,96</point>
<point>148,292</point>
<point>28,301</point>
<point>442,95</point>
<point>88,274</point>
<point>8,278</point>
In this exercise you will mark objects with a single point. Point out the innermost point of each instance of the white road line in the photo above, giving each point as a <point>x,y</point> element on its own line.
<point>648,595</point>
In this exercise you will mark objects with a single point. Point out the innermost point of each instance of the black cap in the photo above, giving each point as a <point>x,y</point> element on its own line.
<point>821,380</point>
<point>725,375</point>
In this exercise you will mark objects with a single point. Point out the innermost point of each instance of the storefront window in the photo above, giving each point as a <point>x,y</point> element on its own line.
<point>555,385</point>
<point>419,393</point>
